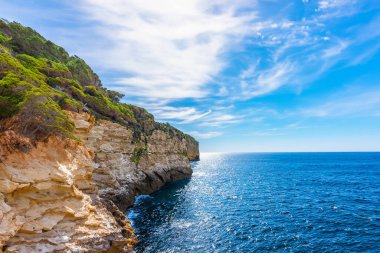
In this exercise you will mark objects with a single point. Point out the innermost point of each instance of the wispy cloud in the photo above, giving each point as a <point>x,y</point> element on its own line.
<point>330,4</point>
<point>364,55</point>
<point>170,49</point>
<point>182,115</point>
<point>330,9</point>
<point>281,130</point>
<point>353,102</point>
<point>205,135</point>
<point>300,51</point>
<point>335,49</point>
<point>220,119</point>
<point>263,82</point>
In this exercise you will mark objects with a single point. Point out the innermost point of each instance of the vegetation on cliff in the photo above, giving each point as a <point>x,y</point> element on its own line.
<point>39,80</point>
<point>137,154</point>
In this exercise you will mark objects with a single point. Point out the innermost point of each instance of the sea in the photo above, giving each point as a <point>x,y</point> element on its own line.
<point>266,202</point>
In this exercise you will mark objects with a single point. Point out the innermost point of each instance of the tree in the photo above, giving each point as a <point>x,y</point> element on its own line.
<point>41,117</point>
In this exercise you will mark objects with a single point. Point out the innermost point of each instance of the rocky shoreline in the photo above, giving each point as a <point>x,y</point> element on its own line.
<point>63,195</point>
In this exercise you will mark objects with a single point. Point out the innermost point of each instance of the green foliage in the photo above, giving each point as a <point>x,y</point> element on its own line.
<point>114,95</point>
<point>12,94</point>
<point>172,131</point>
<point>44,66</point>
<point>82,72</point>
<point>8,62</point>
<point>70,104</point>
<point>27,41</point>
<point>99,103</point>
<point>3,38</point>
<point>92,91</point>
<point>42,117</point>
<point>39,114</point>
<point>127,111</point>
<point>62,83</point>
<point>137,154</point>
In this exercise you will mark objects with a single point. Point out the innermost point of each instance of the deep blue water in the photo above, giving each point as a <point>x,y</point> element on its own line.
<point>280,202</point>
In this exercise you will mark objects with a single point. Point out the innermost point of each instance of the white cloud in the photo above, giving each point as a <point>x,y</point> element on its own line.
<point>182,115</point>
<point>220,119</point>
<point>263,82</point>
<point>205,135</point>
<point>335,49</point>
<point>329,4</point>
<point>169,48</point>
<point>250,71</point>
<point>331,9</point>
<point>364,55</point>
<point>173,50</point>
<point>326,4</point>
<point>354,102</point>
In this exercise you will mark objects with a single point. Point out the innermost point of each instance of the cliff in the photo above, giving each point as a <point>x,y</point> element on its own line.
<point>72,156</point>
<point>125,168</point>
<point>45,202</point>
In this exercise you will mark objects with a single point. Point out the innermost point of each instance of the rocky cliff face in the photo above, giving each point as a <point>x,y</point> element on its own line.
<point>60,195</point>
<point>125,167</point>
<point>46,203</point>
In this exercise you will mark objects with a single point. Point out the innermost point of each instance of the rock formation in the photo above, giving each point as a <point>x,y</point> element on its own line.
<point>65,195</point>
<point>125,168</point>
<point>72,156</point>
<point>48,200</point>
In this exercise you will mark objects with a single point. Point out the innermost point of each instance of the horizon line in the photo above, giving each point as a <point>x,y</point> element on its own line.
<point>263,152</point>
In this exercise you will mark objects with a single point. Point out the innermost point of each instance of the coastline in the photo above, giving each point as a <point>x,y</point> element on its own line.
<point>72,155</point>
<point>98,175</point>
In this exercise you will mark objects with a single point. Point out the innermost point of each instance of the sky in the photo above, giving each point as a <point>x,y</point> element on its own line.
<point>240,76</point>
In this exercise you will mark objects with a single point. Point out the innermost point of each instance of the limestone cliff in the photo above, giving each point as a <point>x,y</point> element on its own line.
<point>45,201</point>
<point>60,194</point>
<point>126,168</point>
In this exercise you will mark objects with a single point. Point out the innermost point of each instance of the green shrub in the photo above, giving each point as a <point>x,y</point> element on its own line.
<point>114,95</point>
<point>42,117</point>
<point>82,72</point>
<point>3,38</point>
<point>92,91</point>
<point>25,40</point>
<point>44,66</point>
<point>70,104</point>
<point>137,154</point>
<point>12,93</point>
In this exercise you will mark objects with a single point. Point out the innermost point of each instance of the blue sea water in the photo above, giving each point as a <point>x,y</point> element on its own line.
<point>267,202</point>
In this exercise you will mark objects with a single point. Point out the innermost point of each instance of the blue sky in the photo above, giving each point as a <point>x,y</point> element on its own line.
<point>238,75</point>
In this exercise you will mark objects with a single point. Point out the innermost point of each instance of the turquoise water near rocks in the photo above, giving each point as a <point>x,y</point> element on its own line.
<point>267,202</point>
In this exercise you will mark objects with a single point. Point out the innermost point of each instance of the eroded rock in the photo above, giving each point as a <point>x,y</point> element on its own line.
<point>43,206</point>
<point>68,196</point>
<point>119,174</point>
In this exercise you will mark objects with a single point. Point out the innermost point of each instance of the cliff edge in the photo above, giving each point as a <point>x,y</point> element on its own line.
<point>72,156</point>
